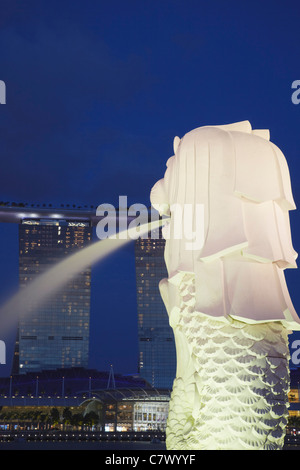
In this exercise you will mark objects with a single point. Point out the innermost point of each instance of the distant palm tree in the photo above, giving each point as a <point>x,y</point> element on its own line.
<point>54,416</point>
<point>77,420</point>
<point>67,416</point>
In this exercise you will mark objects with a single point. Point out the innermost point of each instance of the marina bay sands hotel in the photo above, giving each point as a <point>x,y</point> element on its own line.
<point>56,335</point>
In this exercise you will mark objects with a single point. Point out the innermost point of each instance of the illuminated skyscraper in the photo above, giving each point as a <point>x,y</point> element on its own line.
<point>157,355</point>
<point>56,334</point>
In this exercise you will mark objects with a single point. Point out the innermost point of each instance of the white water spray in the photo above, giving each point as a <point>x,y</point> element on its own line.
<point>45,285</point>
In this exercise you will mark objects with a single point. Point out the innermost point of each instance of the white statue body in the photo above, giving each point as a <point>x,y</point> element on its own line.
<point>227,297</point>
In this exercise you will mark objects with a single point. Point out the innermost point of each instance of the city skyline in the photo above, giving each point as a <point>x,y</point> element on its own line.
<point>46,334</point>
<point>96,93</point>
<point>47,235</point>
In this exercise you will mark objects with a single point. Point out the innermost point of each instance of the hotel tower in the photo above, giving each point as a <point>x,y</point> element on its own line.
<point>157,354</point>
<point>56,334</point>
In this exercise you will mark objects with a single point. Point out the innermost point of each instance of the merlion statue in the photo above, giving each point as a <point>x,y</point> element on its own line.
<point>226,297</point>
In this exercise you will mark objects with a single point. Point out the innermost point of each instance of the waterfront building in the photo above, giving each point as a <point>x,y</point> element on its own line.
<point>294,393</point>
<point>126,403</point>
<point>151,414</point>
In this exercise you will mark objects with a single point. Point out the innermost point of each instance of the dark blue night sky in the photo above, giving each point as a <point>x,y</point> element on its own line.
<point>96,92</point>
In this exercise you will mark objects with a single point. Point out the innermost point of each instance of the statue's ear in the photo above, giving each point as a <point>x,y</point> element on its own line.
<point>264,133</point>
<point>176,142</point>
